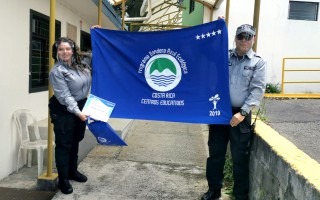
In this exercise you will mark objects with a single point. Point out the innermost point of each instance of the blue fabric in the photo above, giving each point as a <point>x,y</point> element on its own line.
<point>104,134</point>
<point>179,75</point>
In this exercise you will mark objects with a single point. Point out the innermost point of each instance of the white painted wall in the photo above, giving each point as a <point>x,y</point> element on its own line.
<point>278,38</point>
<point>14,40</point>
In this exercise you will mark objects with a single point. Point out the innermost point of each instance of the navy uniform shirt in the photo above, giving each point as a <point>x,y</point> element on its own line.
<point>247,79</point>
<point>70,84</point>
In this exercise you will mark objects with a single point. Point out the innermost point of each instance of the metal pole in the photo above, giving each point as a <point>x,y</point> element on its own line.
<point>282,80</point>
<point>227,12</point>
<point>256,22</point>
<point>51,63</point>
<point>99,12</point>
<point>123,12</point>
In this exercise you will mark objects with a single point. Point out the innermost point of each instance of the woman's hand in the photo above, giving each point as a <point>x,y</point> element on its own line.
<point>83,116</point>
<point>96,26</point>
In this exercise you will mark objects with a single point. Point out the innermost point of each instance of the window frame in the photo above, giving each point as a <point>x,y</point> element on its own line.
<point>301,13</point>
<point>43,39</point>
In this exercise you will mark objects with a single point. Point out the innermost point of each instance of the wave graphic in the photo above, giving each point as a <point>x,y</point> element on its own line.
<point>162,80</point>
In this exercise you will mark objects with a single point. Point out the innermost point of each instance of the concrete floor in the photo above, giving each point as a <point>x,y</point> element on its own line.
<point>163,160</point>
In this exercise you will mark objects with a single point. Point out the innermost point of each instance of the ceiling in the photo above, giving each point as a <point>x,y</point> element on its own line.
<point>88,11</point>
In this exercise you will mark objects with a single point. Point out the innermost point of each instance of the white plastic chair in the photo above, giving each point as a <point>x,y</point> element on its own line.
<point>25,121</point>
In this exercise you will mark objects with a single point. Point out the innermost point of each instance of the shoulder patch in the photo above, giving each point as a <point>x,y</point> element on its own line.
<point>256,55</point>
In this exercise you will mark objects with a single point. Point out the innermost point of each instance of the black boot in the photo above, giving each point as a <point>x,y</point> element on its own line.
<point>211,195</point>
<point>65,186</point>
<point>77,176</point>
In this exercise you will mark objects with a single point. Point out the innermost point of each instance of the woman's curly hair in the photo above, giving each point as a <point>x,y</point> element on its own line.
<point>76,57</point>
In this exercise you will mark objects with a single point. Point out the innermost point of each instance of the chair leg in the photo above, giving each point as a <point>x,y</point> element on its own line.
<point>25,156</point>
<point>29,159</point>
<point>40,160</point>
<point>18,160</point>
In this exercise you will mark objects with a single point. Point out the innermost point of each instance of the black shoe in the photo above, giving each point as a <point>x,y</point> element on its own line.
<point>211,195</point>
<point>77,176</point>
<point>65,186</point>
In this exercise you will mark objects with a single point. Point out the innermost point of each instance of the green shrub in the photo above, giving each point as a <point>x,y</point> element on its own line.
<point>273,88</point>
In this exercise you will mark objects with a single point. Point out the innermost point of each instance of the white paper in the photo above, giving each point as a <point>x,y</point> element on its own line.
<point>98,108</point>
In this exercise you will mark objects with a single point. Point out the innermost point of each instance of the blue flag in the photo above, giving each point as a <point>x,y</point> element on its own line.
<point>104,134</point>
<point>179,75</point>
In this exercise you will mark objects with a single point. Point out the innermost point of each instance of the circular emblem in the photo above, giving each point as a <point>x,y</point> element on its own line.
<point>162,72</point>
<point>103,140</point>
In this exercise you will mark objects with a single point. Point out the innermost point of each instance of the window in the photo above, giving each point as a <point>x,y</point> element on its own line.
<point>39,51</point>
<point>299,10</point>
<point>191,6</point>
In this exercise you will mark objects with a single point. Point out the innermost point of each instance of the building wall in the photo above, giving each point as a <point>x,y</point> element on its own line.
<point>278,37</point>
<point>14,85</point>
<point>193,18</point>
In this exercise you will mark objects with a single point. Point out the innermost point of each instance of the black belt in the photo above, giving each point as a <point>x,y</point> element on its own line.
<point>55,105</point>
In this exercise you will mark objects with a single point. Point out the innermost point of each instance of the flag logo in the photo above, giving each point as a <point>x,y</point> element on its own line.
<point>102,140</point>
<point>162,72</point>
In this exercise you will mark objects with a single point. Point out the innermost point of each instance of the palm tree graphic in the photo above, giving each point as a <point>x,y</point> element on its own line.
<point>214,100</point>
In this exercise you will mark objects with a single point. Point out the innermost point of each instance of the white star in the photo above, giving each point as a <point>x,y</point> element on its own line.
<point>203,36</point>
<point>213,33</point>
<point>198,37</point>
<point>208,34</point>
<point>219,31</point>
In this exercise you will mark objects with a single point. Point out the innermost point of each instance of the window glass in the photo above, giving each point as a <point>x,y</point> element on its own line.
<point>299,10</point>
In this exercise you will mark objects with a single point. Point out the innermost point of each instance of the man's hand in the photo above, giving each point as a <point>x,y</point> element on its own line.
<point>236,119</point>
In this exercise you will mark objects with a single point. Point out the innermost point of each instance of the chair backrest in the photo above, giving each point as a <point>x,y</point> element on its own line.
<point>26,122</point>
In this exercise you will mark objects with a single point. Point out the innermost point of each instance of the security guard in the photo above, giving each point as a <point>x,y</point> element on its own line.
<point>247,82</point>
<point>71,81</point>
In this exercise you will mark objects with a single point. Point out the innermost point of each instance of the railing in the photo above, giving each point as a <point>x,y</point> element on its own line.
<point>285,82</point>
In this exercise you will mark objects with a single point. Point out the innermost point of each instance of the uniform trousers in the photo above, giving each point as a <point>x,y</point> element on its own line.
<point>240,140</point>
<point>69,130</point>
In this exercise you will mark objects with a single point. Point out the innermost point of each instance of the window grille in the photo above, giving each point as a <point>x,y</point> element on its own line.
<point>39,51</point>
